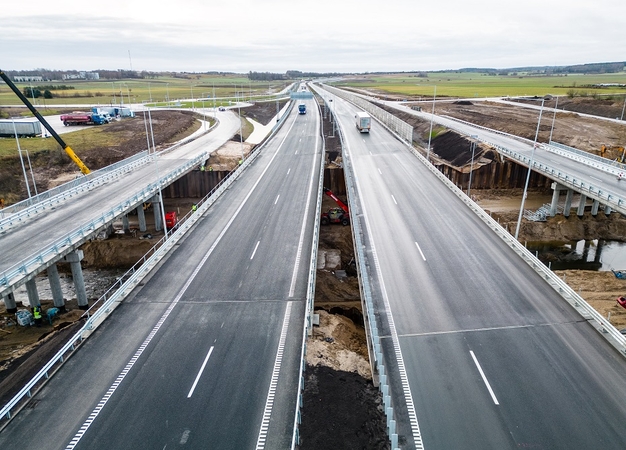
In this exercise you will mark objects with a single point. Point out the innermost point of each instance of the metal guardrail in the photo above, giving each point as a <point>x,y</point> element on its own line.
<point>589,159</point>
<point>606,329</point>
<point>374,341</point>
<point>21,211</point>
<point>131,279</point>
<point>603,195</point>
<point>398,126</point>
<point>310,296</point>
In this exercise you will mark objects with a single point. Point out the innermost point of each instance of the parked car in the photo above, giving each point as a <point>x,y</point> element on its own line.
<point>221,108</point>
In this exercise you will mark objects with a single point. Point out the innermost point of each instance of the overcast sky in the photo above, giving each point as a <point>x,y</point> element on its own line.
<point>319,36</point>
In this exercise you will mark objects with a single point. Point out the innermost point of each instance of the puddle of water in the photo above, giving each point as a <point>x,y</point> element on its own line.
<point>597,254</point>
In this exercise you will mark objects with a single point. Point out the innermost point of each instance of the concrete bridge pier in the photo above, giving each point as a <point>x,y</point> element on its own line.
<point>9,302</point>
<point>55,287</point>
<point>557,188</point>
<point>568,202</point>
<point>581,205</point>
<point>607,209</point>
<point>33,295</point>
<point>125,224</point>
<point>74,259</point>
<point>156,208</point>
<point>141,216</point>
<point>594,208</point>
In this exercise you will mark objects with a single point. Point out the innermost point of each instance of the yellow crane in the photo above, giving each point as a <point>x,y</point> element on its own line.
<point>83,168</point>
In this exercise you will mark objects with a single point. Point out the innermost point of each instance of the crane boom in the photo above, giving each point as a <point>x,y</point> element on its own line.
<point>83,168</point>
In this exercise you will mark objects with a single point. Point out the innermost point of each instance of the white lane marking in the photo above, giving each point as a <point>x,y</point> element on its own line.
<point>193,387</point>
<point>371,153</point>
<point>594,178</point>
<point>277,197</point>
<point>379,172</point>
<point>269,402</point>
<point>420,250</point>
<point>296,152</point>
<point>482,374</point>
<point>394,199</point>
<point>294,275</point>
<point>83,429</point>
<point>185,437</point>
<point>404,379</point>
<point>289,171</point>
<point>255,247</point>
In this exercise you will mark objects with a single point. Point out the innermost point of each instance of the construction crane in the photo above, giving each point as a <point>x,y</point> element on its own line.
<point>83,168</point>
<point>613,152</point>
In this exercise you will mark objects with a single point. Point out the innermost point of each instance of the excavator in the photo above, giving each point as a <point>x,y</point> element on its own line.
<point>83,168</point>
<point>613,152</point>
<point>339,214</point>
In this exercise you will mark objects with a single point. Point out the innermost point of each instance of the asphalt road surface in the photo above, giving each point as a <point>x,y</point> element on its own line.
<point>494,358</point>
<point>206,354</point>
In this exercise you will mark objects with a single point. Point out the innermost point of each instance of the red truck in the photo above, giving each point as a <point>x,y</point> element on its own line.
<point>82,118</point>
<point>171,219</point>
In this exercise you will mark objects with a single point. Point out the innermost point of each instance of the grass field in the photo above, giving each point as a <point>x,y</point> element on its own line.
<point>473,85</point>
<point>150,91</point>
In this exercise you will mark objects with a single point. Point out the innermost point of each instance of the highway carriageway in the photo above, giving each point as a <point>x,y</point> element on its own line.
<point>208,352</point>
<point>479,348</point>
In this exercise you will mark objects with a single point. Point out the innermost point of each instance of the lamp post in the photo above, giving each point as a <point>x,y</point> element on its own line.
<point>167,89</point>
<point>469,185</point>
<point>553,118</point>
<point>432,117</point>
<point>19,149</point>
<point>530,166</point>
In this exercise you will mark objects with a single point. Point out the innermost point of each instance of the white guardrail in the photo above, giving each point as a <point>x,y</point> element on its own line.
<point>601,324</point>
<point>377,363</point>
<point>132,278</point>
<point>310,296</point>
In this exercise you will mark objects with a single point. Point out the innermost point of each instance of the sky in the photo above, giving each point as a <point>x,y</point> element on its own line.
<point>316,36</point>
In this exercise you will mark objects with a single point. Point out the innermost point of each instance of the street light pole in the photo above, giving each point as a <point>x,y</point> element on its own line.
<point>469,185</point>
<point>553,118</point>
<point>530,166</point>
<point>19,150</point>
<point>432,117</point>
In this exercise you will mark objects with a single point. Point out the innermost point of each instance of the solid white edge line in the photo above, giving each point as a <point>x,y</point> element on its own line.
<point>379,172</point>
<point>193,387</point>
<point>482,374</point>
<point>420,250</point>
<point>406,388</point>
<point>255,248</point>
<point>269,402</point>
<point>81,432</point>
<point>394,199</point>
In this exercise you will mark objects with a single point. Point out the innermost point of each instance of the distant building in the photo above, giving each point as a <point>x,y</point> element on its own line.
<point>26,78</point>
<point>82,76</point>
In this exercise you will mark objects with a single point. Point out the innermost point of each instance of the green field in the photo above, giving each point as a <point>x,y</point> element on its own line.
<point>475,85</point>
<point>149,91</point>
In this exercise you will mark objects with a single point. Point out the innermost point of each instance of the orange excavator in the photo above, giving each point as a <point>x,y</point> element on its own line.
<point>614,152</point>
<point>339,214</point>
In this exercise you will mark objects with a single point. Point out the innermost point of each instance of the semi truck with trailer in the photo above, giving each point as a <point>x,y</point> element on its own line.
<point>82,118</point>
<point>363,122</point>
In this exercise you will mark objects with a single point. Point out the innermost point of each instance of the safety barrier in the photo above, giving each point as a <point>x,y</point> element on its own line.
<point>131,278</point>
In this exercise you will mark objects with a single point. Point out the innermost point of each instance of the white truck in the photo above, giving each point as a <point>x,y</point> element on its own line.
<point>363,122</point>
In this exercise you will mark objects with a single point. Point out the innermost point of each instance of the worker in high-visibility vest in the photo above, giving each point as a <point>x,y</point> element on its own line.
<point>37,314</point>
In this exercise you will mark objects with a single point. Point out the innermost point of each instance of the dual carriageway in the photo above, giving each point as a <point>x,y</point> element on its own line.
<point>479,350</point>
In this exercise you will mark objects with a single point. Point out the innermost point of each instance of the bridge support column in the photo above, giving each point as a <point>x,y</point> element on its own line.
<point>33,295</point>
<point>607,210</point>
<point>125,223</point>
<point>141,216</point>
<point>156,208</point>
<point>594,208</point>
<point>555,198</point>
<point>9,303</point>
<point>74,259</point>
<point>568,202</point>
<point>55,287</point>
<point>581,205</point>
